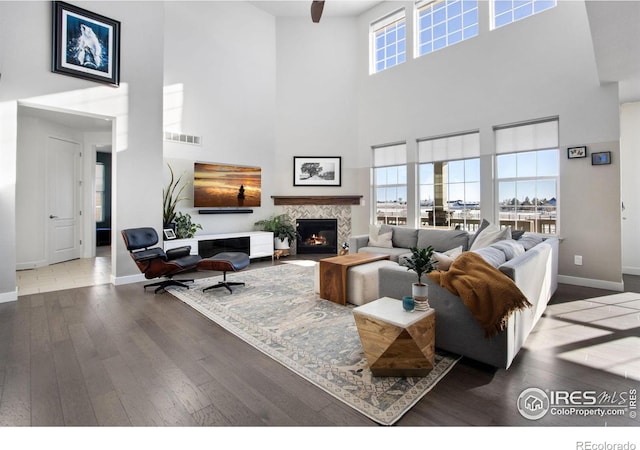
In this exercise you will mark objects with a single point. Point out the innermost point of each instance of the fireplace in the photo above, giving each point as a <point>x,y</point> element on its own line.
<point>317,236</point>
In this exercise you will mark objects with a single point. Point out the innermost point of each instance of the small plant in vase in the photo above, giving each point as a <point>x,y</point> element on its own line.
<point>284,232</point>
<point>185,228</point>
<point>421,262</point>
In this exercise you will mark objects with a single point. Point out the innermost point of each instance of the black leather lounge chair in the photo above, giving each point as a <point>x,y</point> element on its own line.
<point>154,262</point>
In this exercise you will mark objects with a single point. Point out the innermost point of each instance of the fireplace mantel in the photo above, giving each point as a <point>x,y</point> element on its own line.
<point>316,200</point>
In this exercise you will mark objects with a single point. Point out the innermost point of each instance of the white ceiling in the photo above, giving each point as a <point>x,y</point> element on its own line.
<point>301,8</point>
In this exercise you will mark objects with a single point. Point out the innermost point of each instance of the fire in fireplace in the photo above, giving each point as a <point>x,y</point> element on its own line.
<point>317,236</point>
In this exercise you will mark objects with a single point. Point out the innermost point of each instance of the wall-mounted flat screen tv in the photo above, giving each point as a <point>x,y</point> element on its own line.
<point>224,185</point>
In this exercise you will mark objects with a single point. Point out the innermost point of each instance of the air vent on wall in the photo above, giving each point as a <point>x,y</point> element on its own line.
<point>182,138</point>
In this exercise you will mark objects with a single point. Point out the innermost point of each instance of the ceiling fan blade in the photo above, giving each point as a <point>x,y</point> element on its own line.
<point>316,10</point>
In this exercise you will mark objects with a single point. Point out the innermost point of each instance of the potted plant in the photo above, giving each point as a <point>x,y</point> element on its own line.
<point>185,228</point>
<point>171,196</point>
<point>421,262</point>
<point>282,228</point>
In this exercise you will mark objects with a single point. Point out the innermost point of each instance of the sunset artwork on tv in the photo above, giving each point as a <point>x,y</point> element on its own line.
<point>223,185</point>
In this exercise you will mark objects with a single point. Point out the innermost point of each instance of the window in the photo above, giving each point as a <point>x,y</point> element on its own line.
<point>527,169</point>
<point>388,41</point>
<point>507,11</point>
<point>444,22</point>
<point>390,184</point>
<point>100,192</point>
<point>449,181</point>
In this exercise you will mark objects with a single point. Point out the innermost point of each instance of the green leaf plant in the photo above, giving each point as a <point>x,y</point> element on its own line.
<point>185,228</point>
<point>171,196</point>
<point>421,261</point>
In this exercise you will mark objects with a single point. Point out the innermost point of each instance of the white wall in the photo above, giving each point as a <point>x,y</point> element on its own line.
<point>539,67</point>
<point>317,102</point>
<point>220,73</point>
<point>136,106</point>
<point>630,168</point>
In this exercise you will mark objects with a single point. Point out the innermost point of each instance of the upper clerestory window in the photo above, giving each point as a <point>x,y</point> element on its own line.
<point>444,22</point>
<point>504,12</point>
<point>388,41</point>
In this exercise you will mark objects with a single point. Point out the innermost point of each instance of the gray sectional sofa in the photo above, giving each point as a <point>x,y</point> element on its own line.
<point>530,261</point>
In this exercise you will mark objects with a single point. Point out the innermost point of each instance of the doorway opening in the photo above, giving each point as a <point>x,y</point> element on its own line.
<point>37,169</point>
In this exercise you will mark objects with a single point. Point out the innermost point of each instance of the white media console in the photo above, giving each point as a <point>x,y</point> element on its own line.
<point>258,244</point>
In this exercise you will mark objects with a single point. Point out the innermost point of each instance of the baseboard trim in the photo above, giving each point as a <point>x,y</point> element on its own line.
<point>31,265</point>
<point>129,279</point>
<point>631,270</point>
<point>6,297</point>
<point>589,282</point>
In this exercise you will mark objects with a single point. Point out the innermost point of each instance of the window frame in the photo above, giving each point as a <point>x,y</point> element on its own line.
<point>468,223</point>
<point>100,194</point>
<point>444,149</point>
<point>394,161</point>
<point>521,5</point>
<point>423,5</point>
<point>538,224</point>
<point>393,19</point>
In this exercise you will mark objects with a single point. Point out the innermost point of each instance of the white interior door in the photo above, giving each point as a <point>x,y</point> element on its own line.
<point>630,186</point>
<point>63,190</point>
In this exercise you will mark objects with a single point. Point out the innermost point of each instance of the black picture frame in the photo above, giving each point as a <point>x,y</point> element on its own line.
<point>576,152</point>
<point>85,45</point>
<point>317,170</point>
<point>600,158</point>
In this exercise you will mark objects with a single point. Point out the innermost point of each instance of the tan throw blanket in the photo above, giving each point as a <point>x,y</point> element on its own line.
<point>490,295</point>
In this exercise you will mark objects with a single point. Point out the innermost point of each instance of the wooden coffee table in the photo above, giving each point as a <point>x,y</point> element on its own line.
<point>396,343</point>
<point>333,274</point>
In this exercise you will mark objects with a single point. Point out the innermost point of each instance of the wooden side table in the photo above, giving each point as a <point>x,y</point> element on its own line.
<point>396,343</point>
<point>333,274</point>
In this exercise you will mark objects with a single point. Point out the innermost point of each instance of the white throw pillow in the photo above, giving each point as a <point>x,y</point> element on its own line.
<point>489,235</point>
<point>377,239</point>
<point>445,259</point>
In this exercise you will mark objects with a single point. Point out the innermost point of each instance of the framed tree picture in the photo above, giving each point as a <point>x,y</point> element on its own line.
<point>85,44</point>
<point>317,170</point>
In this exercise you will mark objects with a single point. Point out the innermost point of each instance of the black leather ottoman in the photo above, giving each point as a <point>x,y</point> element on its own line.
<point>225,262</point>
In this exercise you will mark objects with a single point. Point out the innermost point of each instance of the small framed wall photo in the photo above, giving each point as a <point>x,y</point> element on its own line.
<point>600,158</point>
<point>317,171</point>
<point>85,44</point>
<point>577,152</point>
<point>169,234</point>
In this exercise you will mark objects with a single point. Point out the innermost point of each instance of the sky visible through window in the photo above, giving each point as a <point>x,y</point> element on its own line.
<point>462,181</point>
<point>463,178</point>
<point>392,184</point>
<point>528,165</point>
<point>444,23</point>
<point>509,11</point>
<point>390,45</point>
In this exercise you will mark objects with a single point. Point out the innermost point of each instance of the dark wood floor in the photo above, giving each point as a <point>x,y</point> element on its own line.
<point>116,356</point>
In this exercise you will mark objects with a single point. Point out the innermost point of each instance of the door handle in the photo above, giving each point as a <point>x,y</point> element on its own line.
<point>53,217</point>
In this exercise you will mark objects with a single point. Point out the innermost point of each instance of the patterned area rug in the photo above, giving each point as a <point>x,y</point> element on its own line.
<point>278,313</point>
